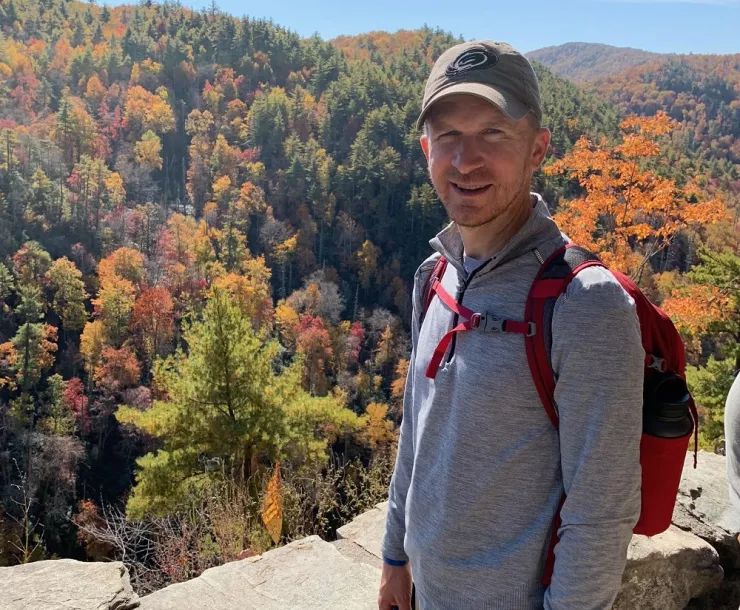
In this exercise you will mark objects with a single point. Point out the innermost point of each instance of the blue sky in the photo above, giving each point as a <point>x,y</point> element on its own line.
<point>664,26</point>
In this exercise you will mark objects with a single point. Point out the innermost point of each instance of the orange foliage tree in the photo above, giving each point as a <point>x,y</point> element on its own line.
<point>120,370</point>
<point>628,212</point>
<point>153,321</point>
<point>398,387</point>
<point>125,263</point>
<point>706,301</point>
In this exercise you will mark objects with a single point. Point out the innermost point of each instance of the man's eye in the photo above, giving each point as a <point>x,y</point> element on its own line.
<point>492,131</point>
<point>448,134</point>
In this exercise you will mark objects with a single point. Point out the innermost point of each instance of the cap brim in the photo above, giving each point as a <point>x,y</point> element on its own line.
<point>508,104</point>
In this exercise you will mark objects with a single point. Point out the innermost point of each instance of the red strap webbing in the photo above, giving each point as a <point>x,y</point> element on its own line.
<point>471,321</point>
<point>539,362</point>
<point>436,274</point>
<point>441,348</point>
<point>554,539</point>
<point>543,378</point>
<point>518,328</point>
<point>451,303</point>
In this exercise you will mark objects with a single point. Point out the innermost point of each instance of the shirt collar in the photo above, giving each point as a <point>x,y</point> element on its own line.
<point>538,227</point>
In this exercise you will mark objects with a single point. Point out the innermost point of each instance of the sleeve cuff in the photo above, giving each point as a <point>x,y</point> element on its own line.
<point>394,562</point>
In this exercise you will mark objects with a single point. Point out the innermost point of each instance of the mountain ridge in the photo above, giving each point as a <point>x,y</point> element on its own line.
<point>585,61</point>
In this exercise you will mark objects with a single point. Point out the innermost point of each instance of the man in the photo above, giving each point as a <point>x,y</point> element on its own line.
<point>481,470</point>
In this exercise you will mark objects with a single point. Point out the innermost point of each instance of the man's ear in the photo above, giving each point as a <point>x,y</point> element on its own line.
<point>541,145</point>
<point>424,140</point>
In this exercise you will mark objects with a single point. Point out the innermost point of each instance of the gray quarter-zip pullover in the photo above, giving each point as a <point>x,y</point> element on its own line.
<point>481,469</point>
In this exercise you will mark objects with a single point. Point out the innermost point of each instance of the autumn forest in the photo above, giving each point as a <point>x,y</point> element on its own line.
<point>209,228</point>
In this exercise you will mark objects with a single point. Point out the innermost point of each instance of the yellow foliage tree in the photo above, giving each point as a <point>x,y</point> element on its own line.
<point>398,387</point>
<point>385,352</point>
<point>251,199</point>
<point>135,74</point>
<point>92,343</point>
<point>250,292</point>
<point>94,91</point>
<point>114,304</point>
<point>367,257</point>
<point>114,187</point>
<point>376,429</point>
<point>287,320</point>
<point>148,151</point>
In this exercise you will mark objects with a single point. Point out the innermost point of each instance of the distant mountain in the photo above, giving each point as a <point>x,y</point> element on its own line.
<point>585,61</point>
<point>699,91</point>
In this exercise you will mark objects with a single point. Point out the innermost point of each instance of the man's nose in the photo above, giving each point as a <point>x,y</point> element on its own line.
<point>467,156</point>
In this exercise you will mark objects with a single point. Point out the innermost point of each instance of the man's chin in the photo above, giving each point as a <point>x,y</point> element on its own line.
<point>473,224</point>
<point>471,219</point>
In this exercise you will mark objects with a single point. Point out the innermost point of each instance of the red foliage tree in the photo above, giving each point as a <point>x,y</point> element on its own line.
<point>76,401</point>
<point>314,343</point>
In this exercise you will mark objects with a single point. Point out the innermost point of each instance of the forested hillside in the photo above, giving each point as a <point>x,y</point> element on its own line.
<point>700,91</point>
<point>208,233</point>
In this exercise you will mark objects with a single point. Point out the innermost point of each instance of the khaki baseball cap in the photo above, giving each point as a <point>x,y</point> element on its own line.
<point>494,71</point>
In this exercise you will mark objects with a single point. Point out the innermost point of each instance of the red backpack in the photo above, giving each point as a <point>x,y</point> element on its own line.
<point>661,458</point>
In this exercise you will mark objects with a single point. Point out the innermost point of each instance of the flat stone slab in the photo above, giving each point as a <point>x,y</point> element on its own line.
<point>354,552</point>
<point>309,574</point>
<point>66,584</point>
<point>666,571</point>
<point>367,530</point>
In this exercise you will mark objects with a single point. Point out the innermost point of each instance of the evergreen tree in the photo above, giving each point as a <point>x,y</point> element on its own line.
<point>227,410</point>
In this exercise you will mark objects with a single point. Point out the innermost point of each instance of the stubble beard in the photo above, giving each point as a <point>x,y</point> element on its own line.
<point>494,210</point>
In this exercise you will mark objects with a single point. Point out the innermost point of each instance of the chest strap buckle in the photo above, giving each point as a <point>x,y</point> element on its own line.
<point>488,323</point>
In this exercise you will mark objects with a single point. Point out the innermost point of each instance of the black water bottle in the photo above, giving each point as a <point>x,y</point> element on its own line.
<point>666,412</point>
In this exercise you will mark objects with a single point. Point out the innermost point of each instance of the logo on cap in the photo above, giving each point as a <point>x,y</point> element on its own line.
<point>472,59</point>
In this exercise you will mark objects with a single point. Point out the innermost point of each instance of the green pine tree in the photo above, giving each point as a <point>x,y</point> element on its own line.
<point>227,411</point>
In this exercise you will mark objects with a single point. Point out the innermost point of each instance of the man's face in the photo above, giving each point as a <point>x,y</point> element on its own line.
<point>480,160</point>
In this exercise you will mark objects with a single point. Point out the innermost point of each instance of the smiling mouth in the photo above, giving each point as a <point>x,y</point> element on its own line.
<point>470,189</point>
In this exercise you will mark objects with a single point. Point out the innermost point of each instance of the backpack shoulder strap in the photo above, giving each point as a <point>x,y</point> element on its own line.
<point>427,295</point>
<point>550,282</point>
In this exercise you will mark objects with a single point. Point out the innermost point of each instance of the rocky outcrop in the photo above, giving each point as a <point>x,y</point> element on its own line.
<point>666,571</point>
<point>367,530</point>
<point>65,584</point>
<point>682,568</point>
<point>663,572</point>
<point>308,574</point>
<point>703,506</point>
